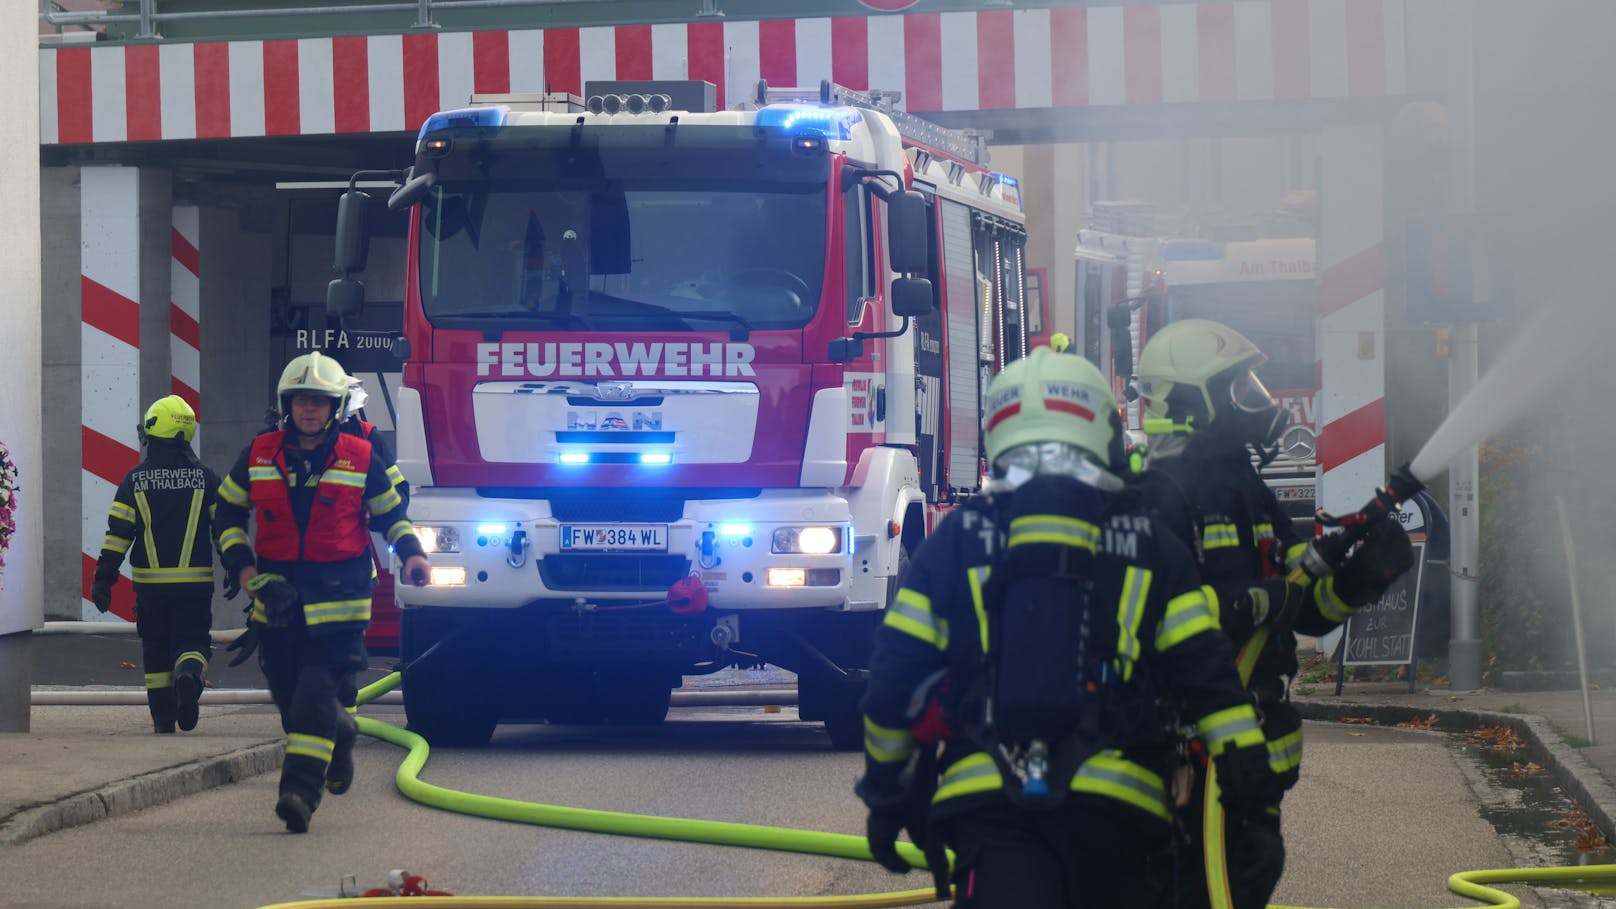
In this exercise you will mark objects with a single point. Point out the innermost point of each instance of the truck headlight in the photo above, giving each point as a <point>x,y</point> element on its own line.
<point>438,539</point>
<point>807,540</point>
<point>448,576</point>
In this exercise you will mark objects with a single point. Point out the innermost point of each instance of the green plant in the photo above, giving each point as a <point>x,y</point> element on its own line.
<point>1305,690</point>
<point>1516,707</point>
<point>1315,676</point>
<point>1575,741</point>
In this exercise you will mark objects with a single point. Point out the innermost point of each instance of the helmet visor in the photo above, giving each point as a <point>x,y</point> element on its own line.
<point>1248,393</point>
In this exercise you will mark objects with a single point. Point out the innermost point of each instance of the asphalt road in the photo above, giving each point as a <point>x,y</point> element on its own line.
<point>1381,818</point>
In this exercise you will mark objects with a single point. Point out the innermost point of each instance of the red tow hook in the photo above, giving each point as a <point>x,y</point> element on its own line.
<point>687,596</point>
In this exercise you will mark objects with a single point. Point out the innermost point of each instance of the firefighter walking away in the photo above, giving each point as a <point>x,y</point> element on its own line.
<point>162,518</point>
<point>317,493</point>
<point>1208,417</point>
<point>1036,635</point>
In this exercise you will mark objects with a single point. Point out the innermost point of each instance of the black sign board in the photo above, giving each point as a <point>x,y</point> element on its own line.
<point>1382,633</point>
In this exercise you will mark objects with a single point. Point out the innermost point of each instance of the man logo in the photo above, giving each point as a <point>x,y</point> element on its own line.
<point>889,6</point>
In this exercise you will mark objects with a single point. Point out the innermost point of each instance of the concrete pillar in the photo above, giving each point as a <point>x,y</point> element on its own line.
<point>1352,322</point>
<point>60,482</point>
<point>21,578</point>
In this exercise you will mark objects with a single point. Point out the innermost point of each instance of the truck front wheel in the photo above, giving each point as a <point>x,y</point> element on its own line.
<point>448,696</point>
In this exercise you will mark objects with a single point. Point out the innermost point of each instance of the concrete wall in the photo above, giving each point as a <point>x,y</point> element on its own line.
<point>59,231</point>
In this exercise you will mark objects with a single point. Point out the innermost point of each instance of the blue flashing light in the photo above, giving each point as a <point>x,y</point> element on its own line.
<point>1006,179</point>
<point>735,530</point>
<point>830,122</point>
<point>490,115</point>
<point>1190,250</point>
<point>574,457</point>
<point>656,457</point>
<point>490,529</point>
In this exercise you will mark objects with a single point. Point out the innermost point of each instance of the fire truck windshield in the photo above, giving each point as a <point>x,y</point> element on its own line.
<point>1277,316</point>
<point>596,255</point>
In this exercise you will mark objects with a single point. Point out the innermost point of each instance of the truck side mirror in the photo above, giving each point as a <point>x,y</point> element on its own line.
<point>353,232</point>
<point>344,297</point>
<point>1120,320</point>
<point>911,298</point>
<point>412,190</point>
<point>906,232</point>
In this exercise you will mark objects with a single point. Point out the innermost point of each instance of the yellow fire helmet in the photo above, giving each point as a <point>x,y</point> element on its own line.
<point>1185,357</point>
<point>169,418</point>
<point>1050,397</point>
<point>313,373</point>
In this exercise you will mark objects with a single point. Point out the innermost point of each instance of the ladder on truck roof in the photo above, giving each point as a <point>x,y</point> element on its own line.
<point>965,144</point>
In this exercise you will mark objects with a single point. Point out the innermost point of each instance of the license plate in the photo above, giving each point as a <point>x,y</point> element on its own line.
<point>614,537</point>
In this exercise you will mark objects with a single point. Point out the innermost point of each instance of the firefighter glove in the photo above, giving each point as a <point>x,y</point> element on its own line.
<point>1248,784</point>
<point>232,584</point>
<point>101,594</point>
<point>246,642</point>
<point>892,810</point>
<point>1380,559</point>
<point>279,599</point>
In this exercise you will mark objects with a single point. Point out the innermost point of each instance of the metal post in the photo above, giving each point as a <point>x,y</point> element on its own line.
<point>1464,645</point>
<point>1576,616</point>
<point>148,25</point>
<point>423,14</point>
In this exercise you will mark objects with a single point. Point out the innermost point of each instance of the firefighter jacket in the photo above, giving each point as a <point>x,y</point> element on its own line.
<point>315,510</point>
<point>162,516</point>
<point>380,450</point>
<point>1213,498</point>
<point>1167,640</point>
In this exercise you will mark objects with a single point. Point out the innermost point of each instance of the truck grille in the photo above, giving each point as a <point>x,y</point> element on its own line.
<point>612,571</point>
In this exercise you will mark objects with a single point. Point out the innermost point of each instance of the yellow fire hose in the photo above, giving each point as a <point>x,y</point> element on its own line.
<point>1470,884</point>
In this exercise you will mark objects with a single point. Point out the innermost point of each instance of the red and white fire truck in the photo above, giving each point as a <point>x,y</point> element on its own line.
<point>682,389</point>
<point>1136,273</point>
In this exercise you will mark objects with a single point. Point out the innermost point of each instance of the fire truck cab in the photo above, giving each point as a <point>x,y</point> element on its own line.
<point>1138,271</point>
<point>683,388</point>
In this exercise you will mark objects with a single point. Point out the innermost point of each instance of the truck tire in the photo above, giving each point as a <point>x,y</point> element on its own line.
<point>637,700</point>
<point>443,700</point>
<point>841,701</point>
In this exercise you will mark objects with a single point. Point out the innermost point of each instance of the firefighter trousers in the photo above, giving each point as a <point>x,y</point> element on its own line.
<point>1254,849</point>
<point>1082,855</point>
<point>173,626</point>
<point>305,673</point>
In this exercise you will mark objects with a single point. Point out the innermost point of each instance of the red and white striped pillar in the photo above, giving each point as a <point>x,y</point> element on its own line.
<point>1352,316</point>
<point>184,312</point>
<point>109,280</point>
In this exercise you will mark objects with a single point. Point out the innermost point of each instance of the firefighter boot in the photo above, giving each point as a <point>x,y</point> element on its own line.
<point>295,811</point>
<point>339,775</point>
<point>187,691</point>
<point>161,702</point>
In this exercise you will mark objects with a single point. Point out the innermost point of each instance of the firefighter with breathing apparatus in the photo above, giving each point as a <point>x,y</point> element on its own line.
<point>164,510</point>
<point>1207,415</point>
<point>1044,622</point>
<point>317,492</point>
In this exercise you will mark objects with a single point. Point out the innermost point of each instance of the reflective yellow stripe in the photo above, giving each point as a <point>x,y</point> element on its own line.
<point>1330,604</point>
<point>191,656</point>
<point>1219,536</point>
<point>258,614</point>
<point>1114,776</point>
<point>1232,727</point>
<point>146,529</point>
<point>231,491</point>
<point>122,512</point>
<point>978,577</point>
<point>969,775</point>
<point>172,575</point>
<point>1054,528</point>
<point>159,679</point>
<point>232,536</point>
<point>384,502</point>
<point>398,531</point>
<point>1188,615</point>
<point>190,529</point>
<point>261,472</point>
<point>1245,662</point>
<point>119,545</point>
<point>337,611</point>
<point>394,475</point>
<point>887,746</point>
<point>1293,556</point>
<point>310,746</point>
<point>1130,612</point>
<point>1285,752</point>
<point>1262,531</point>
<point>345,478</point>
<point>911,614</point>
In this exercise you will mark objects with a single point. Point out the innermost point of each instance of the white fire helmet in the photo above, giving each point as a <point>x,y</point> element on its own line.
<point>1211,366</point>
<point>1050,412</point>
<point>356,397</point>
<point>313,373</point>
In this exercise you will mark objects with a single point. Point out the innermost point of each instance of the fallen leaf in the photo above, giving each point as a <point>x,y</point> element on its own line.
<point>1357,733</point>
<point>1452,698</point>
<point>1365,720</point>
<point>1427,723</point>
<point>128,665</point>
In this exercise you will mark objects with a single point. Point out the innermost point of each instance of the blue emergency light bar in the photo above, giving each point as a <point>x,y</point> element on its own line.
<point>830,122</point>
<point>488,115</point>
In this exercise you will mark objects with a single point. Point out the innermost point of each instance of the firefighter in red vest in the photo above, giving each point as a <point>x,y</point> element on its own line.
<point>317,492</point>
<point>162,516</point>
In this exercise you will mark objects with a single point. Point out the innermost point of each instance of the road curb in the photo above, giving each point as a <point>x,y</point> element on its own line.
<point>144,791</point>
<point>1570,770</point>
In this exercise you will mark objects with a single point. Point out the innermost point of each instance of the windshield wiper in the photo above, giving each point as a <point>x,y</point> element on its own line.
<point>495,330</point>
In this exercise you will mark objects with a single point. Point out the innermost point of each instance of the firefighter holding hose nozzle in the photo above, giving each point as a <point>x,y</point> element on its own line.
<point>1207,414</point>
<point>1036,633</point>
